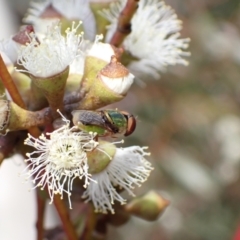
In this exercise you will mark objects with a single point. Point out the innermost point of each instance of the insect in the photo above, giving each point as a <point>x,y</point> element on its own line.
<point>105,122</point>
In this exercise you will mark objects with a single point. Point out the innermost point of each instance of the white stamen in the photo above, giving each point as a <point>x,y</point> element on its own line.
<point>154,38</point>
<point>127,169</point>
<point>57,161</point>
<point>53,54</point>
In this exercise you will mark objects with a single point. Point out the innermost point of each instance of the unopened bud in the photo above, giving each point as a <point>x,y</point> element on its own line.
<point>100,157</point>
<point>110,84</point>
<point>148,207</point>
<point>116,77</point>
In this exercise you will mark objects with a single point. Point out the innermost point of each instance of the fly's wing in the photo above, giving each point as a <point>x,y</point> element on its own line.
<point>87,118</point>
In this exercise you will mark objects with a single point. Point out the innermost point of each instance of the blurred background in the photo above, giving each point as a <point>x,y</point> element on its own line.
<point>190,119</point>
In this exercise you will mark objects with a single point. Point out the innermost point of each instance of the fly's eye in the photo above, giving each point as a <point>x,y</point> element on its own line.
<point>131,123</point>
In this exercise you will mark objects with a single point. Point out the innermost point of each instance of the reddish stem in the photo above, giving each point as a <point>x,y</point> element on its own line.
<point>10,85</point>
<point>64,216</point>
<point>41,203</point>
<point>124,23</point>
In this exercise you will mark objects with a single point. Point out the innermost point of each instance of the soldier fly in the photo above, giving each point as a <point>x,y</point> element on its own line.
<point>105,122</point>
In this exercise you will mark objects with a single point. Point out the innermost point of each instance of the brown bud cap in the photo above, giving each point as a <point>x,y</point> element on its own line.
<point>148,207</point>
<point>114,69</point>
<point>116,77</point>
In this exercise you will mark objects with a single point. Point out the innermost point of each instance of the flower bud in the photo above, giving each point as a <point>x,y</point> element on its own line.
<point>109,85</point>
<point>148,207</point>
<point>100,157</point>
<point>116,77</point>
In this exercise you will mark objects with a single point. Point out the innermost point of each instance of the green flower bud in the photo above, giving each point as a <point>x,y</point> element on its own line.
<point>100,157</point>
<point>106,86</point>
<point>148,207</point>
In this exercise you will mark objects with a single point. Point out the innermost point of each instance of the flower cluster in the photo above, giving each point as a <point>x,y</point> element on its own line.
<point>154,40</point>
<point>59,67</point>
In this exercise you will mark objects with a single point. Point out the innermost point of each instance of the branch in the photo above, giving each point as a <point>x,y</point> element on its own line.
<point>64,216</point>
<point>10,85</point>
<point>124,22</point>
<point>41,203</point>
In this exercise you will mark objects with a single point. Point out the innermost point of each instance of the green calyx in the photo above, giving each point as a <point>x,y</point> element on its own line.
<point>53,88</point>
<point>100,157</point>
<point>92,67</point>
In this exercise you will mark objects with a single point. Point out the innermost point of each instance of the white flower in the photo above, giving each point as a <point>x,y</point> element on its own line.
<point>53,54</point>
<point>57,161</point>
<point>103,51</point>
<point>127,169</point>
<point>154,38</point>
<point>40,14</point>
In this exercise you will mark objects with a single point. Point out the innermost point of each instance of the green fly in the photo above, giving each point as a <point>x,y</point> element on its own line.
<point>105,122</point>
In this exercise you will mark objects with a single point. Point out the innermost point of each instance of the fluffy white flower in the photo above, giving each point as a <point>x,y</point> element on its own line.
<point>59,159</point>
<point>154,38</point>
<point>127,169</point>
<point>53,54</point>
